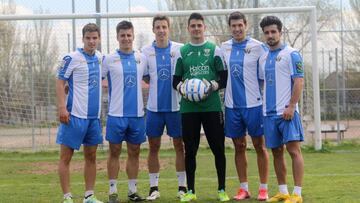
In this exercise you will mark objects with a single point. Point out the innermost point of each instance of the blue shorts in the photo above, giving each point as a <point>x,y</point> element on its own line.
<point>80,131</point>
<point>129,129</point>
<point>238,120</point>
<point>156,121</point>
<point>279,131</point>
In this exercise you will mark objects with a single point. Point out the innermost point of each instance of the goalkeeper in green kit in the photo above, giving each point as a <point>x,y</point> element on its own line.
<point>203,60</point>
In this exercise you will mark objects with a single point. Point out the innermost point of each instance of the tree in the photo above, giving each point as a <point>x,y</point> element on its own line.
<point>351,39</point>
<point>9,42</point>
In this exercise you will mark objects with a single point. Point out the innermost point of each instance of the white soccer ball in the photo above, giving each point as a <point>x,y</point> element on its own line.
<point>195,90</point>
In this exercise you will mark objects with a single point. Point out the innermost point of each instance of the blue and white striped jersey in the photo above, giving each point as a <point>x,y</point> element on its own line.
<point>124,73</point>
<point>242,89</point>
<point>161,68</point>
<point>83,74</point>
<point>278,68</point>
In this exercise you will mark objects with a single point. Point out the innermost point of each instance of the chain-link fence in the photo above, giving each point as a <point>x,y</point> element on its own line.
<point>30,51</point>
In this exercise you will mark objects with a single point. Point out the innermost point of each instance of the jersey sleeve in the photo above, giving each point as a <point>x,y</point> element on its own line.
<point>261,67</point>
<point>146,64</point>
<point>297,65</point>
<point>262,51</point>
<point>65,68</point>
<point>179,69</point>
<point>219,60</point>
<point>104,67</point>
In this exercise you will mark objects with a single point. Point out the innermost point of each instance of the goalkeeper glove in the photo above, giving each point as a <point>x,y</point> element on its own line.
<point>181,88</point>
<point>210,87</point>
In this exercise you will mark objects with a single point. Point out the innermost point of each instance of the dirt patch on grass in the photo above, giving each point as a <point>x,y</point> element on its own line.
<point>44,168</point>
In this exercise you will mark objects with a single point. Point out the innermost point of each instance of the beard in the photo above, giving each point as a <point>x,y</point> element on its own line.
<point>273,42</point>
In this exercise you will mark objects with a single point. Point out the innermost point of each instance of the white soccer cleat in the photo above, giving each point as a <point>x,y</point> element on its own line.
<point>180,194</point>
<point>153,196</point>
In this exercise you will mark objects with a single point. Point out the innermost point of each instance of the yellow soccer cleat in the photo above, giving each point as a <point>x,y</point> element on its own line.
<point>294,198</point>
<point>188,197</point>
<point>279,197</point>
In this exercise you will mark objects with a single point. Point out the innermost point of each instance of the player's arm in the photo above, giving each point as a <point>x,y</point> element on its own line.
<point>178,83</point>
<point>60,94</point>
<point>64,72</point>
<point>297,75</point>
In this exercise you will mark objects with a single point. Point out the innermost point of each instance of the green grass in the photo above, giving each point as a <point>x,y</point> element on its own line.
<point>332,175</point>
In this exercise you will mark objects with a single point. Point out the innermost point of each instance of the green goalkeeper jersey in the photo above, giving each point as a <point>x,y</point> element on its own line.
<point>200,61</point>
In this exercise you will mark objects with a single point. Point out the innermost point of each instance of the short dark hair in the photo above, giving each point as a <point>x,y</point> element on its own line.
<point>196,16</point>
<point>271,20</point>
<point>90,27</point>
<point>161,17</point>
<point>237,15</point>
<point>124,25</point>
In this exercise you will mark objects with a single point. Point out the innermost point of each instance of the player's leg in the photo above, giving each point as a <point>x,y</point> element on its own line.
<point>274,141</point>
<point>173,128</point>
<point>70,137</point>
<point>91,140</point>
<point>235,129</point>
<point>66,154</point>
<point>213,123</point>
<point>254,121</point>
<point>135,136</point>
<point>262,158</point>
<point>154,130</point>
<point>90,173</point>
<point>191,126</point>
<point>115,133</point>
<point>293,135</point>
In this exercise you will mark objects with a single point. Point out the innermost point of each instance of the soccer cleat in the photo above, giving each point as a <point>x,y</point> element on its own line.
<point>180,194</point>
<point>91,199</point>
<point>188,197</point>
<point>134,197</point>
<point>263,195</point>
<point>222,196</point>
<point>242,194</point>
<point>114,198</point>
<point>153,195</point>
<point>279,197</point>
<point>68,200</point>
<point>294,198</point>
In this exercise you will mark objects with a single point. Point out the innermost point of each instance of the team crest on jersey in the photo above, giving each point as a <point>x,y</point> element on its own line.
<point>152,54</point>
<point>299,67</point>
<point>63,63</point>
<point>247,50</point>
<point>206,52</point>
<point>278,58</point>
<point>172,54</point>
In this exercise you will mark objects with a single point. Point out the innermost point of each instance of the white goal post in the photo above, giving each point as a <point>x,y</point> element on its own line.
<point>310,10</point>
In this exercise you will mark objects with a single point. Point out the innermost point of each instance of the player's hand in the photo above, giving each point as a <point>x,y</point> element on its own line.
<point>210,87</point>
<point>64,115</point>
<point>289,112</point>
<point>181,88</point>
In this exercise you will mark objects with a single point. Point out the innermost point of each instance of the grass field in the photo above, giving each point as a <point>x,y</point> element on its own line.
<point>332,175</point>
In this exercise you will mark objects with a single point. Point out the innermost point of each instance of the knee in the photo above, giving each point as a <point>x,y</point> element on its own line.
<point>90,158</point>
<point>133,152</point>
<point>240,147</point>
<point>278,152</point>
<point>294,152</point>
<point>179,146</point>
<point>154,148</point>
<point>114,153</point>
<point>260,148</point>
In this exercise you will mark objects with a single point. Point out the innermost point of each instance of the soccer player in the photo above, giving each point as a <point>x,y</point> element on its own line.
<point>163,104</point>
<point>124,70</point>
<point>282,71</point>
<point>203,60</point>
<point>243,103</point>
<point>79,117</point>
